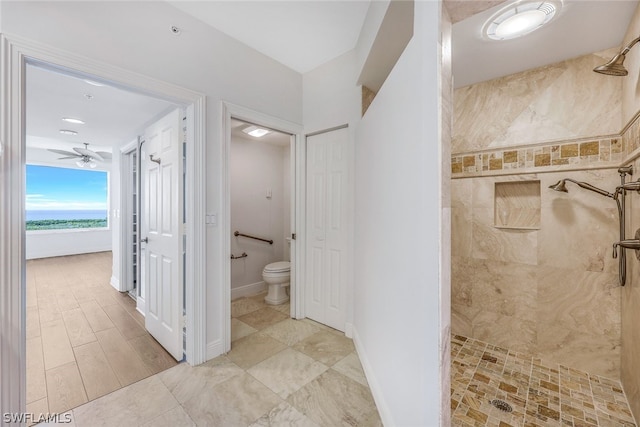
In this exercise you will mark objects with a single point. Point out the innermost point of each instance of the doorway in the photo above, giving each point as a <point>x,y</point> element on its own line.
<point>84,339</point>
<point>261,206</point>
<point>236,120</point>
<point>13,196</point>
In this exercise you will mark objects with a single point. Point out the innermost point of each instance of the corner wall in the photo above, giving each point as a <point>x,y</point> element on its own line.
<point>398,235</point>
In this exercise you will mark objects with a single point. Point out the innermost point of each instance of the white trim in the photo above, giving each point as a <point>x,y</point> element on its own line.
<point>245,114</point>
<point>115,282</point>
<point>12,247</point>
<point>215,349</point>
<point>128,148</point>
<point>348,330</point>
<point>298,246</point>
<point>374,386</point>
<point>15,52</point>
<point>248,290</point>
<point>141,306</point>
<point>125,213</point>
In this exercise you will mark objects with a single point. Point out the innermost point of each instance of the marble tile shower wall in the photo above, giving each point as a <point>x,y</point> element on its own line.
<point>585,153</point>
<point>630,358</point>
<point>551,292</point>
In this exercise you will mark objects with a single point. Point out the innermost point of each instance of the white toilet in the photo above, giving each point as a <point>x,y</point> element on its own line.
<point>276,275</point>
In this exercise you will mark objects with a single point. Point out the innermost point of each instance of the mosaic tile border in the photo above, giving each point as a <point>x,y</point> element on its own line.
<point>583,153</point>
<point>540,395</point>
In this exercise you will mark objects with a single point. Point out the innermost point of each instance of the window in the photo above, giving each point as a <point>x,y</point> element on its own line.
<point>63,199</point>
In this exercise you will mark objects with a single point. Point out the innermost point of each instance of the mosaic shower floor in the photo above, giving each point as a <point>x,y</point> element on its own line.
<point>538,395</point>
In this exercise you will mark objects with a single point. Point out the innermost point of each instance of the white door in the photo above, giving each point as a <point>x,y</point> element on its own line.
<point>162,229</point>
<point>327,228</point>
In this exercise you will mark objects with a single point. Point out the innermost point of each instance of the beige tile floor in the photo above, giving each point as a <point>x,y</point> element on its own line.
<point>279,372</point>
<point>84,339</point>
<point>540,395</point>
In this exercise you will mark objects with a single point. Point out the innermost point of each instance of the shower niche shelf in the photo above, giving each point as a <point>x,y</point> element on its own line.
<point>517,205</point>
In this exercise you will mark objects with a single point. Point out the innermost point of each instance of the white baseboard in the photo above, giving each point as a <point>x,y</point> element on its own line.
<point>141,306</point>
<point>248,290</point>
<point>215,349</point>
<point>115,282</point>
<point>348,330</point>
<point>374,386</point>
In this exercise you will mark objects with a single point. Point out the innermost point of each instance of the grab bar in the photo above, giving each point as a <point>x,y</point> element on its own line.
<point>244,255</point>
<point>237,233</point>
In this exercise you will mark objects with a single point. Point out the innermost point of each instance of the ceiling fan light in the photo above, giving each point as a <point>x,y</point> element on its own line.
<point>92,164</point>
<point>80,163</point>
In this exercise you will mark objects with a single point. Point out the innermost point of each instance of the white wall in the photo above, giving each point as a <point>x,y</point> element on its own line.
<point>400,265</point>
<point>398,234</point>
<point>332,98</point>
<point>136,37</point>
<point>45,244</point>
<point>255,168</point>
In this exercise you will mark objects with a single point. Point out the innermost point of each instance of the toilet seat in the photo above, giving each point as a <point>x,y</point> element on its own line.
<point>278,267</point>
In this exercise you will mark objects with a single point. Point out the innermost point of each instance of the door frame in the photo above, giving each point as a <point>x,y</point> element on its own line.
<point>126,184</point>
<point>15,54</point>
<point>298,155</point>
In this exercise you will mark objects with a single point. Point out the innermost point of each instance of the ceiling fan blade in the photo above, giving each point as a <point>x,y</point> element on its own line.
<point>89,153</point>
<point>68,157</point>
<point>64,153</point>
<point>104,154</point>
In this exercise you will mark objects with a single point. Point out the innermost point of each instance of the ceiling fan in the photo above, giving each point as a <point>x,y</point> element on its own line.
<point>85,156</point>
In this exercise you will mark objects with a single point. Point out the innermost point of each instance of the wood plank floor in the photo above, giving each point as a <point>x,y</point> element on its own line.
<point>84,339</point>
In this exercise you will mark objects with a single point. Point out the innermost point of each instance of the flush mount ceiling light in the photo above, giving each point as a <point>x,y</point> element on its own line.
<point>520,18</point>
<point>93,83</point>
<point>72,120</point>
<point>68,132</point>
<point>256,131</point>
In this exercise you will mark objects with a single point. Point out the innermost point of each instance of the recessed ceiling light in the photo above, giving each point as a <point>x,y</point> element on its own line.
<point>256,131</point>
<point>72,120</point>
<point>93,83</point>
<point>520,18</point>
<point>68,132</point>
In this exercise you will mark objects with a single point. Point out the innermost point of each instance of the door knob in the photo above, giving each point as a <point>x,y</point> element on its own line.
<point>145,240</point>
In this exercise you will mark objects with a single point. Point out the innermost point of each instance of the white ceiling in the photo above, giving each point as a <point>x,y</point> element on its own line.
<point>111,116</point>
<point>301,34</point>
<point>582,27</point>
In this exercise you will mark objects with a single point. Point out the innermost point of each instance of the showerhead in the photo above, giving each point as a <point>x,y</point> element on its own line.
<point>559,186</point>
<point>615,67</point>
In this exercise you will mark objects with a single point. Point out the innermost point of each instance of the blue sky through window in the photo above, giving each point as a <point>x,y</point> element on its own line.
<point>54,189</point>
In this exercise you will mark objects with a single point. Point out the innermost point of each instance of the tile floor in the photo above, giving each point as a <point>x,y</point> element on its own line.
<point>279,372</point>
<point>84,339</point>
<point>539,395</point>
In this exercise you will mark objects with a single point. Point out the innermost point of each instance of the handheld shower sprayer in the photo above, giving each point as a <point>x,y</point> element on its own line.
<point>560,186</point>
<point>620,190</point>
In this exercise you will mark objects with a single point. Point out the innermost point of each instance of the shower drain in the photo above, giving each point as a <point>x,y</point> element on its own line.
<point>502,405</point>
